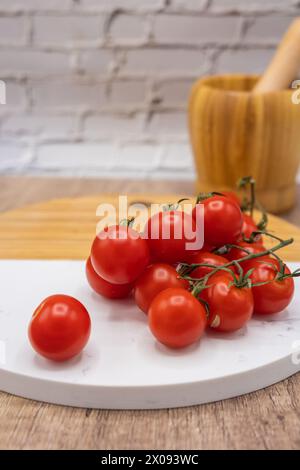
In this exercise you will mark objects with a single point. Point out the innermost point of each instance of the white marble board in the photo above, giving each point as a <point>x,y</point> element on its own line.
<point>123,367</point>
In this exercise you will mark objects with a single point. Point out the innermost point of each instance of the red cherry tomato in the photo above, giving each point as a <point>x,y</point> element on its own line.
<point>104,288</point>
<point>206,247</point>
<point>222,220</point>
<point>154,279</point>
<point>249,226</point>
<point>169,234</point>
<point>194,255</point>
<point>233,196</point>
<point>237,253</point>
<point>230,307</point>
<point>207,258</point>
<point>274,296</point>
<point>176,318</point>
<point>59,328</point>
<point>119,254</point>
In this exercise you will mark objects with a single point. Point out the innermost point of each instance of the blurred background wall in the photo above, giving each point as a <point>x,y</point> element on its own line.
<point>100,87</point>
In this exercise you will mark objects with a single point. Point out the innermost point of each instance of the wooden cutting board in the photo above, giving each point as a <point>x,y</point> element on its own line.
<point>65,228</point>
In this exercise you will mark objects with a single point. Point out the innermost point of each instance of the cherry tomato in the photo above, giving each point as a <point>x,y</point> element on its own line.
<point>169,234</point>
<point>119,254</point>
<point>176,318</point>
<point>155,278</point>
<point>194,255</point>
<point>233,196</point>
<point>59,328</point>
<point>249,226</point>
<point>230,307</point>
<point>207,258</point>
<point>222,220</point>
<point>274,296</point>
<point>252,248</point>
<point>104,288</point>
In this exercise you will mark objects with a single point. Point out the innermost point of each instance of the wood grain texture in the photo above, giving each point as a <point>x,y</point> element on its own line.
<point>236,133</point>
<point>17,191</point>
<point>64,228</point>
<point>267,419</point>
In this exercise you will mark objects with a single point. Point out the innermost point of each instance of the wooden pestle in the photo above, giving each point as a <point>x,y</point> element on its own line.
<point>285,65</point>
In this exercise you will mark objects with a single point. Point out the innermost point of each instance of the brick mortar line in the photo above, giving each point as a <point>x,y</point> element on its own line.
<point>139,47</point>
<point>287,10</point>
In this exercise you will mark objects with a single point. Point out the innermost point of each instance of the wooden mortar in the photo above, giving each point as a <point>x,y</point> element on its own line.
<point>246,125</point>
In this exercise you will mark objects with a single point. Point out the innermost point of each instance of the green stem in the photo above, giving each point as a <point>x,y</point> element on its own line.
<point>174,206</point>
<point>262,224</point>
<point>202,196</point>
<point>127,222</point>
<point>283,276</point>
<point>251,239</point>
<point>253,203</point>
<point>280,245</point>
<point>226,248</point>
<point>242,184</point>
<point>240,271</point>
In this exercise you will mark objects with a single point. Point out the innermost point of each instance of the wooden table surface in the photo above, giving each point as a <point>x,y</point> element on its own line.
<point>267,419</point>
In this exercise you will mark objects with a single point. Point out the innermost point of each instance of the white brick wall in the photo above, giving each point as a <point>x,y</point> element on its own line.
<point>128,93</point>
<point>35,5</point>
<point>100,87</point>
<point>71,94</point>
<point>164,61</point>
<point>29,62</point>
<point>67,31</point>
<point>127,29</point>
<point>13,31</point>
<point>135,5</point>
<point>195,30</point>
<point>114,126</point>
<point>253,60</point>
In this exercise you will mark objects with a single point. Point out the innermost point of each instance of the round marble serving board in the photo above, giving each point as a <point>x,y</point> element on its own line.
<point>122,367</point>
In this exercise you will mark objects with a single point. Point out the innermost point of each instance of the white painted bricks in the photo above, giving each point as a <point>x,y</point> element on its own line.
<point>100,87</point>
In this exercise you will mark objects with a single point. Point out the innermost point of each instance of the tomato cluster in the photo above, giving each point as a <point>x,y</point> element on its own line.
<point>183,290</point>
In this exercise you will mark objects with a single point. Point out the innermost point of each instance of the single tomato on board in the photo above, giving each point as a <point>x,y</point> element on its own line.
<point>59,328</point>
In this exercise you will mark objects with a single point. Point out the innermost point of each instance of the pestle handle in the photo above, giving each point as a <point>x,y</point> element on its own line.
<point>285,65</point>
